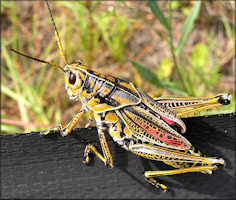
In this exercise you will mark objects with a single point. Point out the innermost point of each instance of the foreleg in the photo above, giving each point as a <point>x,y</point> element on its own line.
<point>65,131</point>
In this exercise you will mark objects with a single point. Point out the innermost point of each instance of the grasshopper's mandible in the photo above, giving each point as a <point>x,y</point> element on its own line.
<point>143,125</point>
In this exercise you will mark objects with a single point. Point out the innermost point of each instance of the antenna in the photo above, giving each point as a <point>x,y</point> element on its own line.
<point>57,34</point>
<point>43,61</point>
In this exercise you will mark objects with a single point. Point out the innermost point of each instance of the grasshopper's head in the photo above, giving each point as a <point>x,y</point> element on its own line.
<point>74,78</point>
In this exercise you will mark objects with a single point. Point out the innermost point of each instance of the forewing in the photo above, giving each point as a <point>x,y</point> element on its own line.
<point>149,127</point>
<point>167,115</point>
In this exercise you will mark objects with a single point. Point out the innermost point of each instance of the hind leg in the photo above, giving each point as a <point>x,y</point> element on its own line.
<point>149,151</point>
<point>183,106</point>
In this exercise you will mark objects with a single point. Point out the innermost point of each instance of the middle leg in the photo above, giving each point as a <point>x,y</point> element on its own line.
<point>106,157</point>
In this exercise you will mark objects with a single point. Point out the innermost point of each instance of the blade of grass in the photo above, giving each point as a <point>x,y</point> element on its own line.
<point>152,78</point>
<point>14,28</point>
<point>188,26</point>
<point>13,72</point>
<point>172,48</point>
<point>43,70</point>
<point>9,129</point>
<point>23,113</point>
<point>158,13</point>
<point>25,64</point>
<point>230,31</point>
<point>14,95</point>
<point>22,91</point>
<point>188,82</point>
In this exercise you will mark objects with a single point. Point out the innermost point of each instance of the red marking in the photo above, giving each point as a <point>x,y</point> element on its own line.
<point>172,141</point>
<point>168,121</point>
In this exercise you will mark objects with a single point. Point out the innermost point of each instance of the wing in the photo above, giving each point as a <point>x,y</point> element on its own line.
<point>167,115</point>
<point>148,126</point>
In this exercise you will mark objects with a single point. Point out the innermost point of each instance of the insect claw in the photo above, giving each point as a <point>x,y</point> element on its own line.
<point>86,160</point>
<point>88,125</point>
<point>86,155</point>
<point>51,130</point>
<point>163,187</point>
<point>220,164</point>
<point>64,132</point>
<point>43,133</point>
<point>109,166</point>
<point>156,184</point>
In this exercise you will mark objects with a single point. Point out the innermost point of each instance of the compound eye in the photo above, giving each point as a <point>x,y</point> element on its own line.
<point>78,63</point>
<point>72,78</point>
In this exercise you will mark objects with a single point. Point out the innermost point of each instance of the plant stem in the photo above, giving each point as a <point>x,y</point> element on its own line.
<point>173,49</point>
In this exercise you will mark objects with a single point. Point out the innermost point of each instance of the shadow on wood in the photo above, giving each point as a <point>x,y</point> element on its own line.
<point>52,166</point>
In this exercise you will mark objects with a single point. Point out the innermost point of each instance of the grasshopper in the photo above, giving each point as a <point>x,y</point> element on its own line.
<point>145,126</point>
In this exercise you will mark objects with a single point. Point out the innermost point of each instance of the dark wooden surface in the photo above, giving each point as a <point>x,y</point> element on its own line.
<point>52,166</point>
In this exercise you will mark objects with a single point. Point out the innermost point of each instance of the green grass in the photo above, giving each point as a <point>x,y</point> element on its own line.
<point>34,87</point>
<point>90,32</point>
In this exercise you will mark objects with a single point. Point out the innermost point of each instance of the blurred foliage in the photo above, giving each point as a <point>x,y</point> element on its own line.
<point>163,72</point>
<point>203,74</point>
<point>106,35</point>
